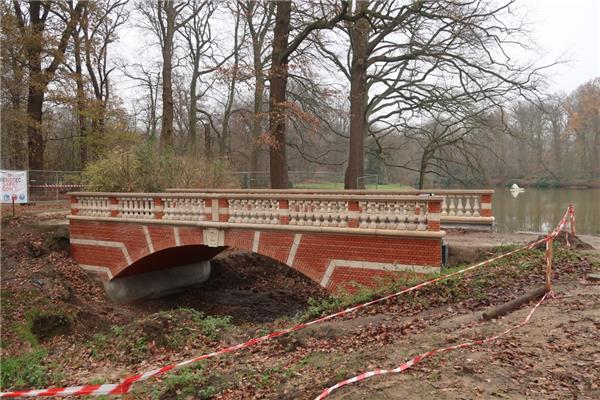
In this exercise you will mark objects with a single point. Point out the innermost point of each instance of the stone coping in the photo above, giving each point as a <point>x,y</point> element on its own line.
<point>467,219</point>
<point>335,191</point>
<point>263,196</point>
<point>262,227</point>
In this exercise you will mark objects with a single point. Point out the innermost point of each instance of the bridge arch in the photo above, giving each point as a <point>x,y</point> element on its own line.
<point>124,250</point>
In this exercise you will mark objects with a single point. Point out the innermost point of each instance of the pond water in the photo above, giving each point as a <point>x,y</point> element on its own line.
<point>539,210</point>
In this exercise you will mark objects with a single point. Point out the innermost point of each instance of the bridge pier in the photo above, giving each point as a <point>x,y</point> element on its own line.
<point>157,283</point>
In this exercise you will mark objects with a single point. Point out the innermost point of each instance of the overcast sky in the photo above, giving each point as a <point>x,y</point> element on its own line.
<point>570,28</point>
<point>565,29</point>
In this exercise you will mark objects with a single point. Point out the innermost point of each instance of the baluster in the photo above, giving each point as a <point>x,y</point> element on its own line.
<point>459,208</point>
<point>451,208</point>
<point>292,211</point>
<point>181,209</point>
<point>402,218</point>
<point>276,212</point>
<point>233,211</point>
<point>257,210</point>
<point>301,213</point>
<point>264,213</point>
<point>372,214</point>
<point>422,226</point>
<point>413,218</point>
<point>476,206</point>
<point>468,212</point>
<point>444,206</point>
<point>362,217</point>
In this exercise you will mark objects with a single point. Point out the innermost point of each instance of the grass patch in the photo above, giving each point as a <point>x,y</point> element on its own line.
<point>25,370</point>
<point>170,330</point>
<point>189,382</point>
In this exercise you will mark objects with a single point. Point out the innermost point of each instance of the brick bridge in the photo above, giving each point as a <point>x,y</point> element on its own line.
<point>333,237</point>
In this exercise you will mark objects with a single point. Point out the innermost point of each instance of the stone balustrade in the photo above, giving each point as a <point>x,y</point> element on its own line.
<point>272,210</point>
<point>459,207</point>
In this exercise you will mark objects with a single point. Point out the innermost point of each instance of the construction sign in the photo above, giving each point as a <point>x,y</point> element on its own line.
<point>14,186</point>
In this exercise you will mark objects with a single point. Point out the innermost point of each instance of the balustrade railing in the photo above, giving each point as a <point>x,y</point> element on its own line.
<point>331,210</point>
<point>183,209</point>
<point>393,215</point>
<point>319,213</point>
<point>458,205</point>
<point>93,206</point>
<point>254,211</point>
<point>135,207</point>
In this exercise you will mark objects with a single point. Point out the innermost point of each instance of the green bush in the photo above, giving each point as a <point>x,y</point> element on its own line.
<point>113,173</point>
<point>144,168</point>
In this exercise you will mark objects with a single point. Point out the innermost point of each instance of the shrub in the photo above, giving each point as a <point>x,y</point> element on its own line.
<point>143,168</point>
<point>110,174</point>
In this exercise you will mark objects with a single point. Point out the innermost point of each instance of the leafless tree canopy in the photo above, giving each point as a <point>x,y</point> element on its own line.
<point>418,92</point>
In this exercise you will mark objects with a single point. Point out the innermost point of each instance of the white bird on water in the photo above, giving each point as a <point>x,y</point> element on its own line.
<point>515,190</point>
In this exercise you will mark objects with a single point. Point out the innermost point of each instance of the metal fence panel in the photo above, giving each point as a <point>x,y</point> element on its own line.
<point>53,185</point>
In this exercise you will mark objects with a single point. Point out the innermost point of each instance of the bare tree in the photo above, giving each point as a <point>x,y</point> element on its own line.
<point>200,45</point>
<point>259,17</point>
<point>282,48</point>
<point>359,39</point>
<point>150,81</point>
<point>425,57</point>
<point>32,22</point>
<point>91,39</point>
<point>164,18</point>
<point>584,125</point>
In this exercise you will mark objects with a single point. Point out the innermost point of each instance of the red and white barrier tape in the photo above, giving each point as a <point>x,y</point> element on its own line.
<point>423,356</point>
<point>125,386</point>
<point>73,186</point>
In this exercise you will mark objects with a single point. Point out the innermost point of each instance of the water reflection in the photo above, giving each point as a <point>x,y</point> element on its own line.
<point>539,210</point>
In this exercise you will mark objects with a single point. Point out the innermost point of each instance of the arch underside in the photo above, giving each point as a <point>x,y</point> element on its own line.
<point>170,258</point>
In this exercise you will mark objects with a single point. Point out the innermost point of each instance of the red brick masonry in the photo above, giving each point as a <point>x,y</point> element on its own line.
<point>333,260</point>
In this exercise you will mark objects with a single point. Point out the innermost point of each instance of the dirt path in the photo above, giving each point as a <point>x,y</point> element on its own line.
<point>555,356</point>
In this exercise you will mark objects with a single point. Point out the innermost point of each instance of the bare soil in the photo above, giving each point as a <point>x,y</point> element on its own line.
<point>555,356</point>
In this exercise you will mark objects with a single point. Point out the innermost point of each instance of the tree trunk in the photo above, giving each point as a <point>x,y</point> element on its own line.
<point>37,87</point>
<point>193,113</point>
<point>423,168</point>
<point>224,139</point>
<point>278,77</point>
<point>38,78</point>
<point>166,135</point>
<point>256,121</point>
<point>207,142</point>
<point>358,101</point>
<point>81,106</point>
<point>35,140</point>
